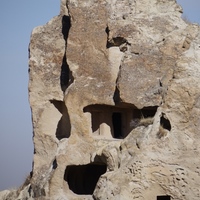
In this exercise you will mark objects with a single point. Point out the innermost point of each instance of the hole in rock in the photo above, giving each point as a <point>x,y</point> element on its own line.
<point>82,179</point>
<point>165,123</point>
<point>144,116</point>
<point>110,121</point>
<point>148,111</point>
<point>115,41</point>
<point>117,124</point>
<point>64,126</point>
<point>163,197</point>
<point>118,121</point>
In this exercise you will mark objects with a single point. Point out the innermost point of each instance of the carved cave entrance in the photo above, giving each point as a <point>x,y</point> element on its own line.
<point>116,121</point>
<point>82,179</point>
<point>163,197</point>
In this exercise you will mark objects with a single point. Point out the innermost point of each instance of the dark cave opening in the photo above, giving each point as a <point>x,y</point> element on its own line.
<point>110,121</point>
<point>117,124</point>
<point>166,197</point>
<point>144,116</point>
<point>115,41</point>
<point>149,111</point>
<point>165,123</point>
<point>82,179</point>
<point>118,121</point>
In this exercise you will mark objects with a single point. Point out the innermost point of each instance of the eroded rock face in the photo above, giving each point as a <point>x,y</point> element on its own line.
<point>114,91</point>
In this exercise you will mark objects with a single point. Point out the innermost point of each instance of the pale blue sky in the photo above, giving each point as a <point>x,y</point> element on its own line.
<point>17,19</point>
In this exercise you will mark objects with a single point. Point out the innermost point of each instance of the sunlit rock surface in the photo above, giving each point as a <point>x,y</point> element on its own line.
<point>115,97</point>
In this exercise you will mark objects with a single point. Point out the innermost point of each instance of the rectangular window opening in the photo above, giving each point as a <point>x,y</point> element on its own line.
<point>117,124</point>
<point>164,197</point>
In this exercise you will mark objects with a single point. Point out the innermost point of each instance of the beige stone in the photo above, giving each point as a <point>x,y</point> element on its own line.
<point>114,92</point>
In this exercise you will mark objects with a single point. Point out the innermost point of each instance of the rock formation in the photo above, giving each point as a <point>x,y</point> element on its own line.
<point>115,97</point>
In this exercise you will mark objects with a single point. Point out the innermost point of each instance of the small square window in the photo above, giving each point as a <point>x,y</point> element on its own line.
<point>164,197</point>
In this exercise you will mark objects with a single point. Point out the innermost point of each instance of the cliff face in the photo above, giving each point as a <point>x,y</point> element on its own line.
<point>114,91</point>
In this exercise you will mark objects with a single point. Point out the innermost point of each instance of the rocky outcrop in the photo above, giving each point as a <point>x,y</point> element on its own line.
<point>114,92</point>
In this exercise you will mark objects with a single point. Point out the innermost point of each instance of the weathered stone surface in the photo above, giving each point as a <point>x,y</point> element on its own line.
<point>114,91</point>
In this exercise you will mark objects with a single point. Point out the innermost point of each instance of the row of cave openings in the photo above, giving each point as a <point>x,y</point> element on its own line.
<point>118,121</point>
<point>114,121</point>
<point>111,122</point>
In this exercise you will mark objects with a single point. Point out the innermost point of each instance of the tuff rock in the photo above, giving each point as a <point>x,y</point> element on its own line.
<point>115,97</point>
